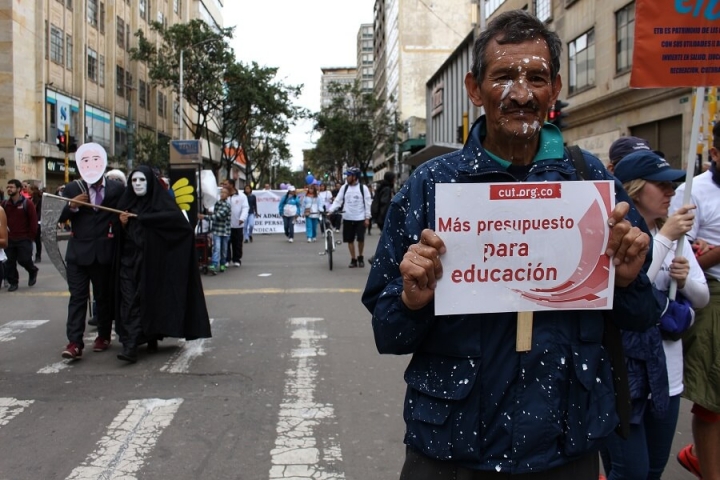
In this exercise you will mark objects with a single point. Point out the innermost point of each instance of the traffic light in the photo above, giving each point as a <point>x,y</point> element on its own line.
<point>556,115</point>
<point>72,144</point>
<point>61,142</point>
<point>460,134</point>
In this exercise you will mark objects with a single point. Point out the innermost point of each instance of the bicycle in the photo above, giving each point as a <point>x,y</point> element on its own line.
<point>326,229</point>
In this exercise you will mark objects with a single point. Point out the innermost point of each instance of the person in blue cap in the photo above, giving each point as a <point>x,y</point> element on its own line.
<point>654,358</point>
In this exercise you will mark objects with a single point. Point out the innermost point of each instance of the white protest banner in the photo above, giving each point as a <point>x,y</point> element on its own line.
<point>521,247</point>
<point>268,219</point>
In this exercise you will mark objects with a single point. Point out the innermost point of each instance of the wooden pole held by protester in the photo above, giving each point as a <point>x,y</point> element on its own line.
<point>99,207</point>
<point>523,339</point>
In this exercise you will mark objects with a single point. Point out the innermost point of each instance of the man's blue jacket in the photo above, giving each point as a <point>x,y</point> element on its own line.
<point>471,398</point>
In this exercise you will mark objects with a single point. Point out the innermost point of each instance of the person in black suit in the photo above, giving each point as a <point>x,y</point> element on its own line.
<point>90,256</point>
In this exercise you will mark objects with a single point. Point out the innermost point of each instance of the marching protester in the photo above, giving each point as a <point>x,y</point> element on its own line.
<point>239,209</point>
<point>160,293</point>
<point>3,242</point>
<point>252,212</point>
<point>383,194</point>
<point>353,202</point>
<point>90,249</point>
<point>289,210</point>
<point>654,358</point>
<point>475,407</point>
<point>22,223</point>
<point>701,343</point>
<point>220,227</point>
<point>311,212</point>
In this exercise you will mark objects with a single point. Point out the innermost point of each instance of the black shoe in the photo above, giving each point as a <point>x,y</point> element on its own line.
<point>128,354</point>
<point>250,238</point>
<point>246,241</point>
<point>12,288</point>
<point>353,263</point>
<point>33,278</point>
<point>152,346</point>
<point>361,261</point>
<point>38,258</point>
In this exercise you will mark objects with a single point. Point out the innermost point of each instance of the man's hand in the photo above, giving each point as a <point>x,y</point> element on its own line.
<point>83,197</point>
<point>124,217</point>
<point>627,245</point>
<point>420,268</point>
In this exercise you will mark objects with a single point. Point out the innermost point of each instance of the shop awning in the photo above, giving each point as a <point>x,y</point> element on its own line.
<point>412,145</point>
<point>431,151</point>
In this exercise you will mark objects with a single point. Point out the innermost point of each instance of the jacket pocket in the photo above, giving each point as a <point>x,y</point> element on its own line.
<point>438,386</point>
<point>591,412</point>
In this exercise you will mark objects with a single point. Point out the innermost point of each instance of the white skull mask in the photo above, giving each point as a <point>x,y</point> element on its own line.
<point>139,184</point>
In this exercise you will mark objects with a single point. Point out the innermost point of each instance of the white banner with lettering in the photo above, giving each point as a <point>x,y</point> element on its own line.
<point>520,247</point>
<point>268,220</point>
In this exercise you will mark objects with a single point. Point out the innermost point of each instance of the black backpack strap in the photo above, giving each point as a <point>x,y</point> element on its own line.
<point>578,159</point>
<point>612,338</point>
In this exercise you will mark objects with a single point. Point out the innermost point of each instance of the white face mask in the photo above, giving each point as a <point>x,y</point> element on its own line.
<point>139,184</point>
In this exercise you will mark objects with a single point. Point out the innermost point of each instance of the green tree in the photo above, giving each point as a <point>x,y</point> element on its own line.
<point>257,113</point>
<point>206,55</point>
<point>152,150</point>
<point>352,128</point>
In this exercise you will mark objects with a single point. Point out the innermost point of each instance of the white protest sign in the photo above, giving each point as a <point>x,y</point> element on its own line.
<point>268,219</point>
<point>519,247</point>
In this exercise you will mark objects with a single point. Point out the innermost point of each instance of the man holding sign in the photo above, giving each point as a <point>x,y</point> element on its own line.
<point>475,407</point>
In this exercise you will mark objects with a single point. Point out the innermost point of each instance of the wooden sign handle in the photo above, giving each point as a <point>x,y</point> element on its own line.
<point>523,340</point>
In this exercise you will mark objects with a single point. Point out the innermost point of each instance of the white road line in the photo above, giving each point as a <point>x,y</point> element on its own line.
<point>298,454</point>
<point>121,453</point>
<point>189,351</point>
<point>11,408</point>
<point>16,327</point>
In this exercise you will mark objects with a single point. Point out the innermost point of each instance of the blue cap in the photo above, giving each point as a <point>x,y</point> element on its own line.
<point>646,165</point>
<point>624,146</point>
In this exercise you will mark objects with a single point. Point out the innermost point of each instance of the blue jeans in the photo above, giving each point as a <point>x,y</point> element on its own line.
<point>289,226</point>
<point>311,226</point>
<point>249,225</point>
<point>220,247</point>
<point>646,451</point>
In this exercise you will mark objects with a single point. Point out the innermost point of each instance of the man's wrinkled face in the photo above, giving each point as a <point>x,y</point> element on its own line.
<point>517,89</point>
<point>139,184</point>
<point>91,161</point>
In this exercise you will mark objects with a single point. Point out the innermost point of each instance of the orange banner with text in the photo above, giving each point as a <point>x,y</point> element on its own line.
<point>677,43</point>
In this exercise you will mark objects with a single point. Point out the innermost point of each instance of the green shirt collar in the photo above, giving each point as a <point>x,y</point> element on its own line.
<point>551,145</point>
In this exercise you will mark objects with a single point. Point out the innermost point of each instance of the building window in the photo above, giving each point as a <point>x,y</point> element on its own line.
<point>69,54</point>
<point>120,141</point>
<point>101,71</point>
<point>128,83</point>
<point>161,19</point>
<point>127,36</point>
<point>147,95</point>
<point>141,94</point>
<point>177,4</point>
<point>625,26</point>
<point>176,112</point>
<point>162,104</point>
<point>68,4</point>
<point>102,18</point>
<point>120,32</point>
<point>120,81</point>
<point>491,6</point>
<point>92,66</point>
<point>57,46</point>
<point>92,12</point>
<point>543,9</point>
<point>582,62</point>
<point>143,8</point>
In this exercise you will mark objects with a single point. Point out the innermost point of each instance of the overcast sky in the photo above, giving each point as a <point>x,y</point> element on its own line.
<point>299,38</point>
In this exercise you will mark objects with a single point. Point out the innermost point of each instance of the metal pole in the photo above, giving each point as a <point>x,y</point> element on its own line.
<point>131,133</point>
<point>182,123</point>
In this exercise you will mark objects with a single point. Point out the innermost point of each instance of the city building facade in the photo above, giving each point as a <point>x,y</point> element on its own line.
<point>596,64</point>
<point>66,63</point>
<point>339,75</point>
<point>365,57</point>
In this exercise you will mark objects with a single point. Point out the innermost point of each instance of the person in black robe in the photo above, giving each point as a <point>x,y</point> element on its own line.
<point>160,292</point>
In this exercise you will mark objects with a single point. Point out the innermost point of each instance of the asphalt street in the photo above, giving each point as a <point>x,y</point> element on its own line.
<point>290,386</point>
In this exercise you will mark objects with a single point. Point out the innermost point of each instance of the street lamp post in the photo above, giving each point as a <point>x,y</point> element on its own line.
<point>182,83</point>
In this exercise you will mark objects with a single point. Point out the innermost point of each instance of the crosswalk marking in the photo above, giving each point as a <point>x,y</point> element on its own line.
<point>56,367</point>
<point>16,327</point>
<point>189,350</point>
<point>298,453</point>
<point>11,408</point>
<point>121,453</point>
